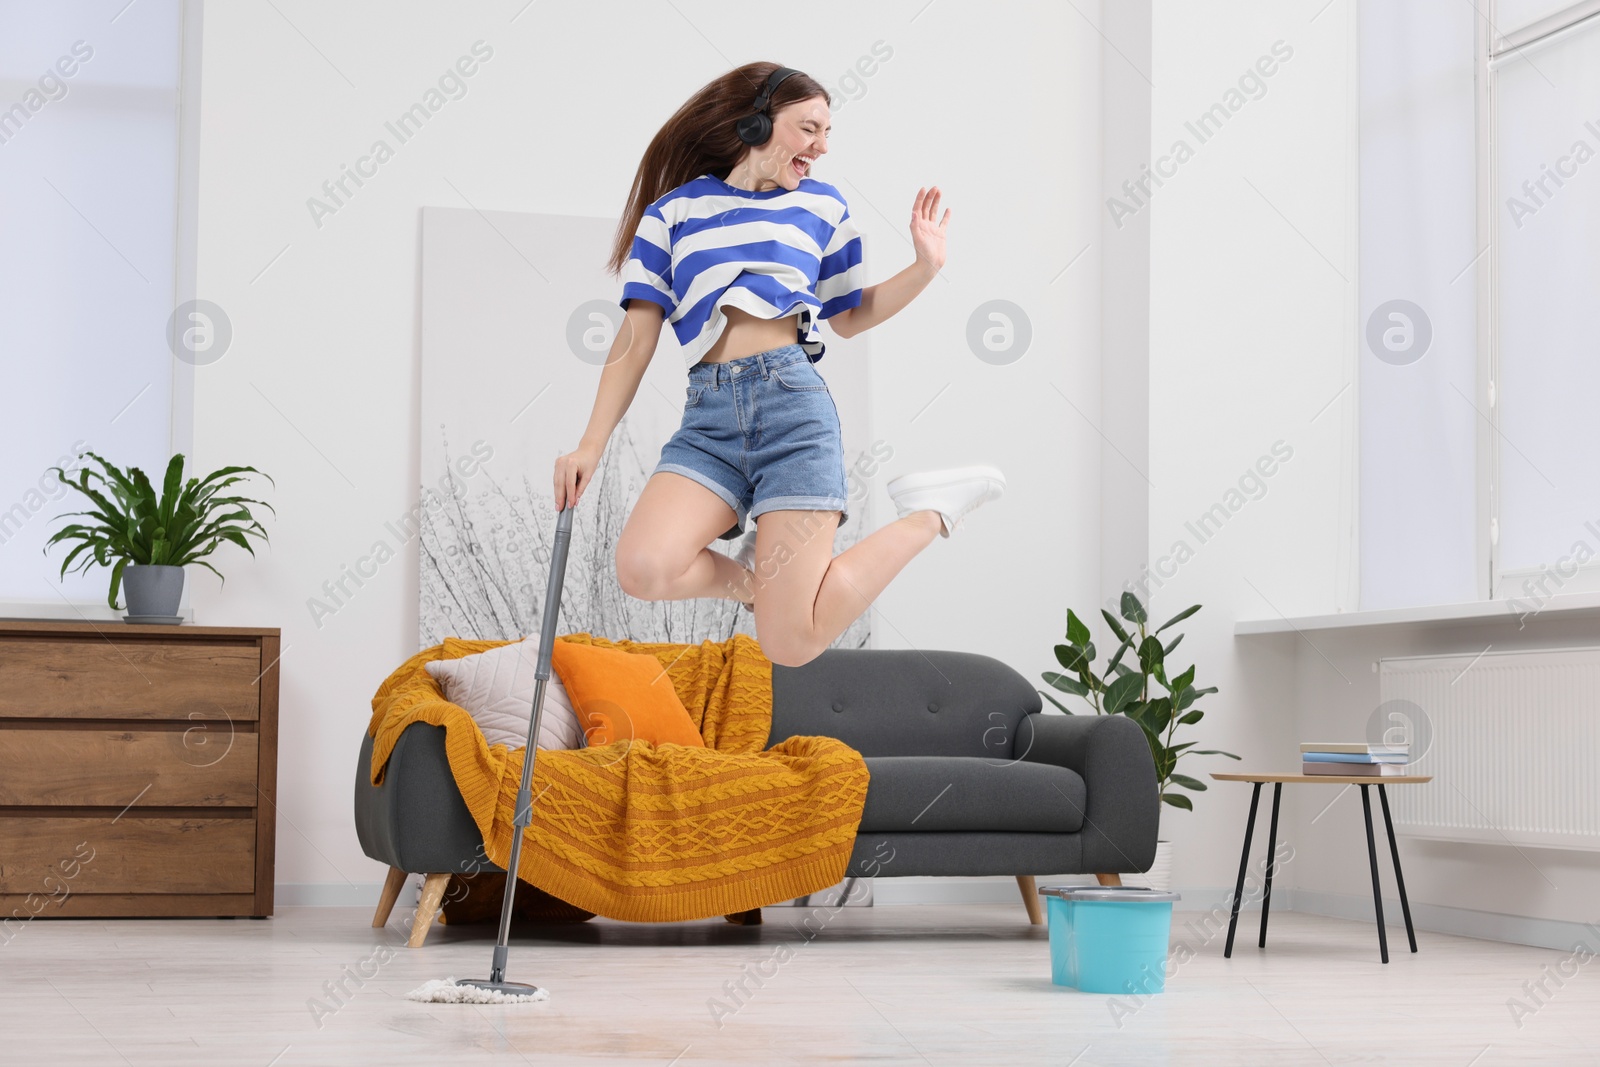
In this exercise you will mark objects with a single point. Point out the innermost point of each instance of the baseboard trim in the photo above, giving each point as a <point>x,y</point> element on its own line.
<point>1556,934</point>
<point>994,889</point>
<point>989,890</point>
<point>333,894</point>
<point>997,889</point>
<point>1002,889</point>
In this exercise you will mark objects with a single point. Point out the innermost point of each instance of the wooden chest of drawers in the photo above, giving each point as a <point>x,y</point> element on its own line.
<point>138,769</point>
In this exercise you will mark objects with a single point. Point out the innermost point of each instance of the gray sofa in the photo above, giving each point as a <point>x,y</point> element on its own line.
<point>968,777</point>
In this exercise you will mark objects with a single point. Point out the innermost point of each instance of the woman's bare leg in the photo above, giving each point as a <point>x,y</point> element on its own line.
<point>805,595</point>
<point>662,553</point>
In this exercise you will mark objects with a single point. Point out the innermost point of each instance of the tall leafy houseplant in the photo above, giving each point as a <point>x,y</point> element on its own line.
<point>1125,689</point>
<point>132,527</point>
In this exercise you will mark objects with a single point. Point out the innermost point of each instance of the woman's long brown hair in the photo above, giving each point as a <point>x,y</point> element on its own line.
<point>700,138</point>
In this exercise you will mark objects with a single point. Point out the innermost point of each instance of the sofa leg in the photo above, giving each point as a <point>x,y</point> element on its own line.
<point>428,907</point>
<point>1030,899</point>
<point>1109,879</point>
<point>391,892</point>
<point>745,918</point>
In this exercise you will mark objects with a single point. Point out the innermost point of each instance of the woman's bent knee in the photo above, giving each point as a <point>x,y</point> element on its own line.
<point>642,574</point>
<point>787,649</point>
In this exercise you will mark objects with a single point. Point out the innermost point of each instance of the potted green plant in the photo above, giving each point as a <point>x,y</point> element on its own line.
<point>147,540</point>
<point>1125,689</point>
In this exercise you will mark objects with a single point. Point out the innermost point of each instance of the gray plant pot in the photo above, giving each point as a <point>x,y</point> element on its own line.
<point>152,589</point>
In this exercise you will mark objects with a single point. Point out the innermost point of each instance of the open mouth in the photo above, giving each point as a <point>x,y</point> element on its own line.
<point>800,165</point>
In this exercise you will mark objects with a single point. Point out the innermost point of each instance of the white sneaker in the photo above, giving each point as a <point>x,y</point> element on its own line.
<point>952,492</point>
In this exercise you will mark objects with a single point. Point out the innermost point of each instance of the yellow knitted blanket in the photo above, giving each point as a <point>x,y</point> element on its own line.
<point>633,832</point>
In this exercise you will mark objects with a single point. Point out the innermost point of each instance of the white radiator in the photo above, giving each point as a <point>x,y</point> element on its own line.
<point>1512,741</point>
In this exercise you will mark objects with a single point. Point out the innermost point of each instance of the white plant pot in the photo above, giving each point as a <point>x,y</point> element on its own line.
<point>1160,874</point>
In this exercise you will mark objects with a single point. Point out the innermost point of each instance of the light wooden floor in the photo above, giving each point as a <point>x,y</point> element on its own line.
<point>935,984</point>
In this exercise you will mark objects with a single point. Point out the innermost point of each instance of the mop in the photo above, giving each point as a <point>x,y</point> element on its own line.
<point>495,989</point>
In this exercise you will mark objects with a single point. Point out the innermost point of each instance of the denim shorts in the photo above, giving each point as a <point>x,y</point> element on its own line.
<point>762,433</point>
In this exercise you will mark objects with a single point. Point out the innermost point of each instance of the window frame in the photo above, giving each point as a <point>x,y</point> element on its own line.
<point>1494,49</point>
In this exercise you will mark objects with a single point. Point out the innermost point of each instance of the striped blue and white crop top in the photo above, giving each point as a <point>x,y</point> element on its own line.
<point>707,245</point>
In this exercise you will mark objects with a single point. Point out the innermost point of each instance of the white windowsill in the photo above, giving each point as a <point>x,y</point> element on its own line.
<point>1516,611</point>
<point>71,611</point>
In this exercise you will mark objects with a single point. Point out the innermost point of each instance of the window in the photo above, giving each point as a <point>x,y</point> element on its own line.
<point>1544,203</point>
<point>1480,216</point>
<point>90,269</point>
<point>1418,292</point>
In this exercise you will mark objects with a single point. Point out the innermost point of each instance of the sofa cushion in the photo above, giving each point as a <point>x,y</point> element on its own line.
<point>904,702</point>
<point>931,793</point>
<point>622,696</point>
<point>496,688</point>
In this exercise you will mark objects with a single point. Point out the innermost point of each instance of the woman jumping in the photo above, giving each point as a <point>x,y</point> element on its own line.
<point>728,237</point>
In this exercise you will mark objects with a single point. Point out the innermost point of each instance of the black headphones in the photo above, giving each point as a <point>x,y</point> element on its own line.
<point>757,129</point>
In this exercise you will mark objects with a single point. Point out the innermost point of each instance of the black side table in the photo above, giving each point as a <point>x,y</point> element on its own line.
<point>1277,781</point>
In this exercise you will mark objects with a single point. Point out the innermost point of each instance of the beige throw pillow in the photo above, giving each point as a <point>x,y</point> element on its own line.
<point>496,689</point>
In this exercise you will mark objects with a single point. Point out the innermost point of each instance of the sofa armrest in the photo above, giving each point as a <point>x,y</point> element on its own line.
<point>416,820</point>
<point>1112,756</point>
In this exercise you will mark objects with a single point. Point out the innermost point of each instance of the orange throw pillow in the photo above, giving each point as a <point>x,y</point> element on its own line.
<point>622,695</point>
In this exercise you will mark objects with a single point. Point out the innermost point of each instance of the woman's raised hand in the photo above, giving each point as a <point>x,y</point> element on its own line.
<point>927,235</point>
<point>573,473</point>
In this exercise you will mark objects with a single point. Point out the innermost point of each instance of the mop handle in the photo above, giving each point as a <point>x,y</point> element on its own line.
<point>524,812</point>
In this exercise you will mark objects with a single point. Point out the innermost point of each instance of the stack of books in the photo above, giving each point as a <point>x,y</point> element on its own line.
<point>1358,759</point>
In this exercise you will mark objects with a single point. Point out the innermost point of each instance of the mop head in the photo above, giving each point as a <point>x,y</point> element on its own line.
<point>445,991</point>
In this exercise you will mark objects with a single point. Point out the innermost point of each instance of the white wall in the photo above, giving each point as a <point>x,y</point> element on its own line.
<point>998,107</point>
<point>1124,249</point>
<point>1251,277</point>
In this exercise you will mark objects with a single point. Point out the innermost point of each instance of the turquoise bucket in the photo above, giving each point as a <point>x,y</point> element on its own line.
<point>1108,939</point>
